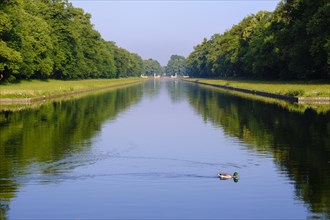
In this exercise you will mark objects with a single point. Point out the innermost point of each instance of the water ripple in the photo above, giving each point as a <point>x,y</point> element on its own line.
<point>223,165</point>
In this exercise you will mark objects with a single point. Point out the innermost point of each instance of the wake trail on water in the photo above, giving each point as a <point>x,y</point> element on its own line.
<point>65,169</point>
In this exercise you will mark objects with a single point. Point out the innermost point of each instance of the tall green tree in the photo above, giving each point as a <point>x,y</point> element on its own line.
<point>35,42</point>
<point>176,65</point>
<point>152,67</point>
<point>197,60</point>
<point>300,38</point>
<point>127,64</point>
<point>136,67</point>
<point>10,56</point>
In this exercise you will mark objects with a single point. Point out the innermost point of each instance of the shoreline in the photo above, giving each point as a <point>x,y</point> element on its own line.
<point>292,99</point>
<point>15,101</point>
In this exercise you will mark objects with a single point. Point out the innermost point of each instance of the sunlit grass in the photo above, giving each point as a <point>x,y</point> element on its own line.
<point>37,88</point>
<point>287,105</point>
<point>291,88</point>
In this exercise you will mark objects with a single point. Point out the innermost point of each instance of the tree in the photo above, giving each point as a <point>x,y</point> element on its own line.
<point>10,56</point>
<point>152,67</point>
<point>35,43</point>
<point>196,61</point>
<point>176,65</point>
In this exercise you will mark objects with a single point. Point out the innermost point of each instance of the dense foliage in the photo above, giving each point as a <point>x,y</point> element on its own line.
<point>176,65</point>
<point>293,42</point>
<point>53,39</point>
<point>152,67</point>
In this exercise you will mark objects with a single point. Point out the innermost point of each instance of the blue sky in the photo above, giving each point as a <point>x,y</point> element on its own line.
<point>159,29</point>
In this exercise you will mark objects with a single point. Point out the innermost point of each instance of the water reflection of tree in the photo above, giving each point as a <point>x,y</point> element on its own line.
<point>177,90</point>
<point>151,88</point>
<point>53,132</point>
<point>299,142</point>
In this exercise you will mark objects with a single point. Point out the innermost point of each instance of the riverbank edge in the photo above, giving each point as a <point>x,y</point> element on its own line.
<point>293,99</point>
<point>15,101</point>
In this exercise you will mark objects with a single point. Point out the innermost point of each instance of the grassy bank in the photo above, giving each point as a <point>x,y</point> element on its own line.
<point>311,89</point>
<point>291,88</point>
<point>37,88</point>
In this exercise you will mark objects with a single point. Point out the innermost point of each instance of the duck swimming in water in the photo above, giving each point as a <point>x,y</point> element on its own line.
<point>226,176</point>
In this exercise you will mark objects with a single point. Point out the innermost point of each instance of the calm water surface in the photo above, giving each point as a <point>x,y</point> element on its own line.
<point>154,150</point>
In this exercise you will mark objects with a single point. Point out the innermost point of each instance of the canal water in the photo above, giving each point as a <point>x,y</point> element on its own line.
<point>154,150</point>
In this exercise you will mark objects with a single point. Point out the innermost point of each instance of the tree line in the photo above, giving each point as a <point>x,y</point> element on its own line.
<point>43,39</point>
<point>293,42</point>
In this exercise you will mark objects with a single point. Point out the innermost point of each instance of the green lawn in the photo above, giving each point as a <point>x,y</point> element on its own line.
<point>291,88</point>
<point>37,88</point>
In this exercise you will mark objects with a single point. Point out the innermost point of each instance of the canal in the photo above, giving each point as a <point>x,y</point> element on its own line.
<point>154,150</point>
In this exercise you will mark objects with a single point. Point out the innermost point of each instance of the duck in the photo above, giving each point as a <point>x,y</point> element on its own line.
<point>226,176</point>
